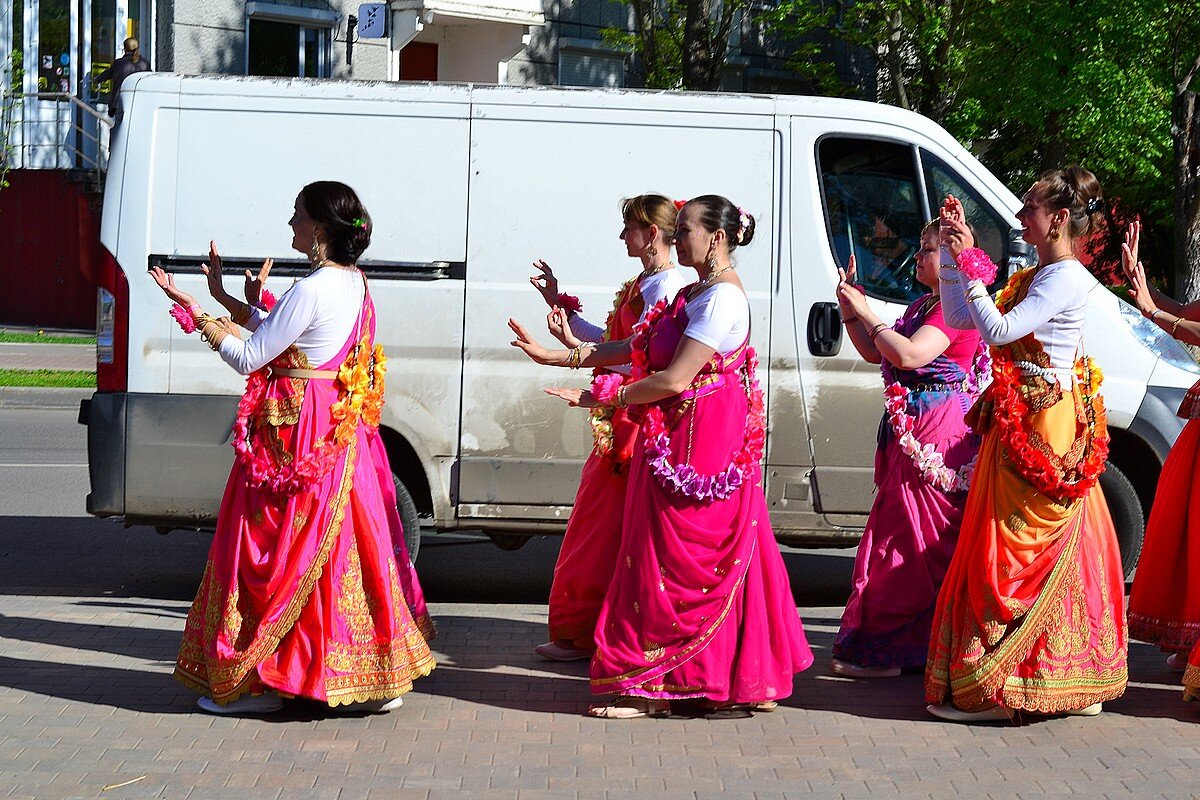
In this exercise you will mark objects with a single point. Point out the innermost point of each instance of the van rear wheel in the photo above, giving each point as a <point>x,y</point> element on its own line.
<point>1127,515</point>
<point>409,518</point>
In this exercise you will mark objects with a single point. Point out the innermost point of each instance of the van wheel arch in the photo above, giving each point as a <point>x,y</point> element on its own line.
<point>1129,490</point>
<point>414,500</point>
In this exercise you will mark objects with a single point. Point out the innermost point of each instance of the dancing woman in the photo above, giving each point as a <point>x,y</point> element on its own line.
<point>931,374</point>
<point>700,606</point>
<point>1164,604</point>
<point>588,555</point>
<point>302,595</point>
<point>1031,614</point>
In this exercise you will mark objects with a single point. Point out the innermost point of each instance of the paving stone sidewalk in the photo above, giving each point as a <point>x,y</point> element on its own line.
<point>86,702</point>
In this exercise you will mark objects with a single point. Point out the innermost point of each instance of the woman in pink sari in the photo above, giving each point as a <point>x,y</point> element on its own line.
<point>303,595</point>
<point>699,607</point>
<point>931,374</point>
<point>588,555</point>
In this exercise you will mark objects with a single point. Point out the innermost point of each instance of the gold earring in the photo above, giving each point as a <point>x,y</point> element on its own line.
<point>652,251</point>
<point>1054,233</point>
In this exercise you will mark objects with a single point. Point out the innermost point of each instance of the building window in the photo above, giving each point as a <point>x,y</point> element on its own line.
<point>288,41</point>
<point>588,63</point>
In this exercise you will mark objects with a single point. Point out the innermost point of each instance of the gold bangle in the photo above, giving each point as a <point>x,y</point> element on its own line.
<point>1176,325</point>
<point>242,314</point>
<point>878,329</point>
<point>848,320</point>
<point>621,401</point>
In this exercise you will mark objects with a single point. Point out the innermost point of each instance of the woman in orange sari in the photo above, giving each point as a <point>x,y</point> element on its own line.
<point>1031,614</point>
<point>303,595</point>
<point>587,558</point>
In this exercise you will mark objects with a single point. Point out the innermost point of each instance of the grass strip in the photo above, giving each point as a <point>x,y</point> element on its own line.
<point>77,379</point>
<point>43,338</point>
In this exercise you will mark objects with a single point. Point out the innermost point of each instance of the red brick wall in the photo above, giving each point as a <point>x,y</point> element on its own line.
<point>50,229</point>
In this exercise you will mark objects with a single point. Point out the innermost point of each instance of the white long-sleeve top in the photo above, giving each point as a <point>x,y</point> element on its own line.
<point>1053,310</point>
<point>317,314</point>
<point>662,285</point>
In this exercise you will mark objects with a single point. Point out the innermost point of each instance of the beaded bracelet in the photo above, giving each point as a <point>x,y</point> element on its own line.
<point>848,320</point>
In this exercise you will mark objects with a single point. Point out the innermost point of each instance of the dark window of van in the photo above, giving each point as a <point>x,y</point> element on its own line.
<point>874,209</point>
<point>992,231</point>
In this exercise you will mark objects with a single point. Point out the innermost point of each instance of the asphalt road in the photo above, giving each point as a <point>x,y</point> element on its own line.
<point>44,483</point>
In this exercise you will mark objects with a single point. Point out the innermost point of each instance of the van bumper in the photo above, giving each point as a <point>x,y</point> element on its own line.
<point>158,459</point>
<point>1156,422</point>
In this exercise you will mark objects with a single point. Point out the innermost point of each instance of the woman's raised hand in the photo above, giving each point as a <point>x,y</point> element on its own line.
<point>166,282</point>
<point>255,283</point>
<point>576,398</point>
<point>847,275</point>
<point>559,325</point>
<point>1135,273</point>
<point>545,282</point>
<point>851,301</point>
<point>954,231</point>
<point>212,271</point>
<point>526,343</point>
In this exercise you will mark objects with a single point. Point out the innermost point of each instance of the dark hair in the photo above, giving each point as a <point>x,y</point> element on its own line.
<point>651,209</point>
<point>935,226</point>
<point>347,225</point>
<point>1077,190</point>
<point>718,213</point>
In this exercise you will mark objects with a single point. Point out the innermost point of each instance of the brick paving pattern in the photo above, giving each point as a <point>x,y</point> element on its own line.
<point>86,702</point>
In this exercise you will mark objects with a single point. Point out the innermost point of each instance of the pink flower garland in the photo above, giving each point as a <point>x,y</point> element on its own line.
<point>976,265</point>
<point>929,462</point>
<point>266,300</point>
<point>605,387</point>
<point>569,303</point>
<point>184,317</point>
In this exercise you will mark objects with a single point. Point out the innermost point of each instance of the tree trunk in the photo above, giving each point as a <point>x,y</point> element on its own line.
<point>1185,129</point>
<point>697,51</point>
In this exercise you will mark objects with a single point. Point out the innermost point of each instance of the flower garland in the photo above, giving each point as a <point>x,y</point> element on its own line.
<point>930,463</point>
<point>360,382</point>
<point>605,387</point>
<point>569,303</point>
<point>184,317</point>
<point>1046,473</point>
<point>601,417</point>
<point>266,300</point>
<point>976,265</point>
<point>683,479</point>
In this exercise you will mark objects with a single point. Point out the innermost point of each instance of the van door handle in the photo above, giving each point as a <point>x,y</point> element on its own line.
<point>824,329</point>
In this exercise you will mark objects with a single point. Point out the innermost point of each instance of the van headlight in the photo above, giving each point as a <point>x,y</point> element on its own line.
<point>1157,340</point>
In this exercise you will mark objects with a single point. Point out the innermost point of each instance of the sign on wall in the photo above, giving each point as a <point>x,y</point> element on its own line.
<point>372,20</point>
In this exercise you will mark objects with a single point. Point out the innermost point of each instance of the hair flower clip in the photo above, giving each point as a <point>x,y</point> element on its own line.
<point>679,204</point>
<point>359,222</point>
<point>1094,205</point>
<point>743,225</point>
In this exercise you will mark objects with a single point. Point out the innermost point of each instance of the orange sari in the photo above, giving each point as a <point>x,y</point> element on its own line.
<point>1031,614</point>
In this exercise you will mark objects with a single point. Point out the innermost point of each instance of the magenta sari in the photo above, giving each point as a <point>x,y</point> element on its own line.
<point>302,592</point>
<point>700,605</point>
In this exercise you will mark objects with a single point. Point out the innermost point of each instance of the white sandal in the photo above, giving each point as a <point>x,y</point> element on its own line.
<point>948,712</point>
<point>627,707</point>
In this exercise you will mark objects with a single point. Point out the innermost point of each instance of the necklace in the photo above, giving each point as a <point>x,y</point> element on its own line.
<point>647,272</point>
<point>712,276</point>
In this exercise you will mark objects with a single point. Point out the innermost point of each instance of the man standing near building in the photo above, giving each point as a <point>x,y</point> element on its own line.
<point>121,69</point>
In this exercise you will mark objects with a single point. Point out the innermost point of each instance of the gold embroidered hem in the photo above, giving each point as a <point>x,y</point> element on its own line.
<point>233,677</point>
<point>1191,682</point>
<point>1168,634</point>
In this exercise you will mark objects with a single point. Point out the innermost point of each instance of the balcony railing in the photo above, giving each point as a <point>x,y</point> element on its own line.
<point>53,130</point>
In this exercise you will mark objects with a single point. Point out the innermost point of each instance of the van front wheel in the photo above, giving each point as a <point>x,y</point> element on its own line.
<point>409,518</point>
<point>1127,516</point>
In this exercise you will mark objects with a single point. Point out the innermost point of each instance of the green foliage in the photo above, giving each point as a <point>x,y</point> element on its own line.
<point>657,43</point>
<point>76,379</point>
<point>1034,85</point>
<point>41,337</point>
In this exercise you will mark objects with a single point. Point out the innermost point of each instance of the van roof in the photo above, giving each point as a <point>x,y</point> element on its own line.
<point>562,96</point>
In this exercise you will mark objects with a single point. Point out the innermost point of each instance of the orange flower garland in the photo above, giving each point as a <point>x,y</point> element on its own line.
<point>1047,473</point>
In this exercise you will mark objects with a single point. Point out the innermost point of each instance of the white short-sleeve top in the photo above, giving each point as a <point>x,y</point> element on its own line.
<point>719,317</point>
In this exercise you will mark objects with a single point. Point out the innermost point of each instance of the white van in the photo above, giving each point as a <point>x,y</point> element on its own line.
<point>467,185</point>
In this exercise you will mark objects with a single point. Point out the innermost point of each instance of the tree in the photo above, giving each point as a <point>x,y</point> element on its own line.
<point>1048,83</point>
<point>680,43</point>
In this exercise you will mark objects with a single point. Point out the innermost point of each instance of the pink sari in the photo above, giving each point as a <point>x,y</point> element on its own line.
<point>588,555</point>
<point>302,593</point>
<point>700,605</point>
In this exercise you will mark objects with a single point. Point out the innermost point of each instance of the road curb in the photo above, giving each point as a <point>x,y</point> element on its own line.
<point>42,397</point>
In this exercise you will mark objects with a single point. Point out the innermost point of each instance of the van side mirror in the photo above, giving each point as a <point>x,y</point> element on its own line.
<point>1020,253</point>
<point>824,329</point>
